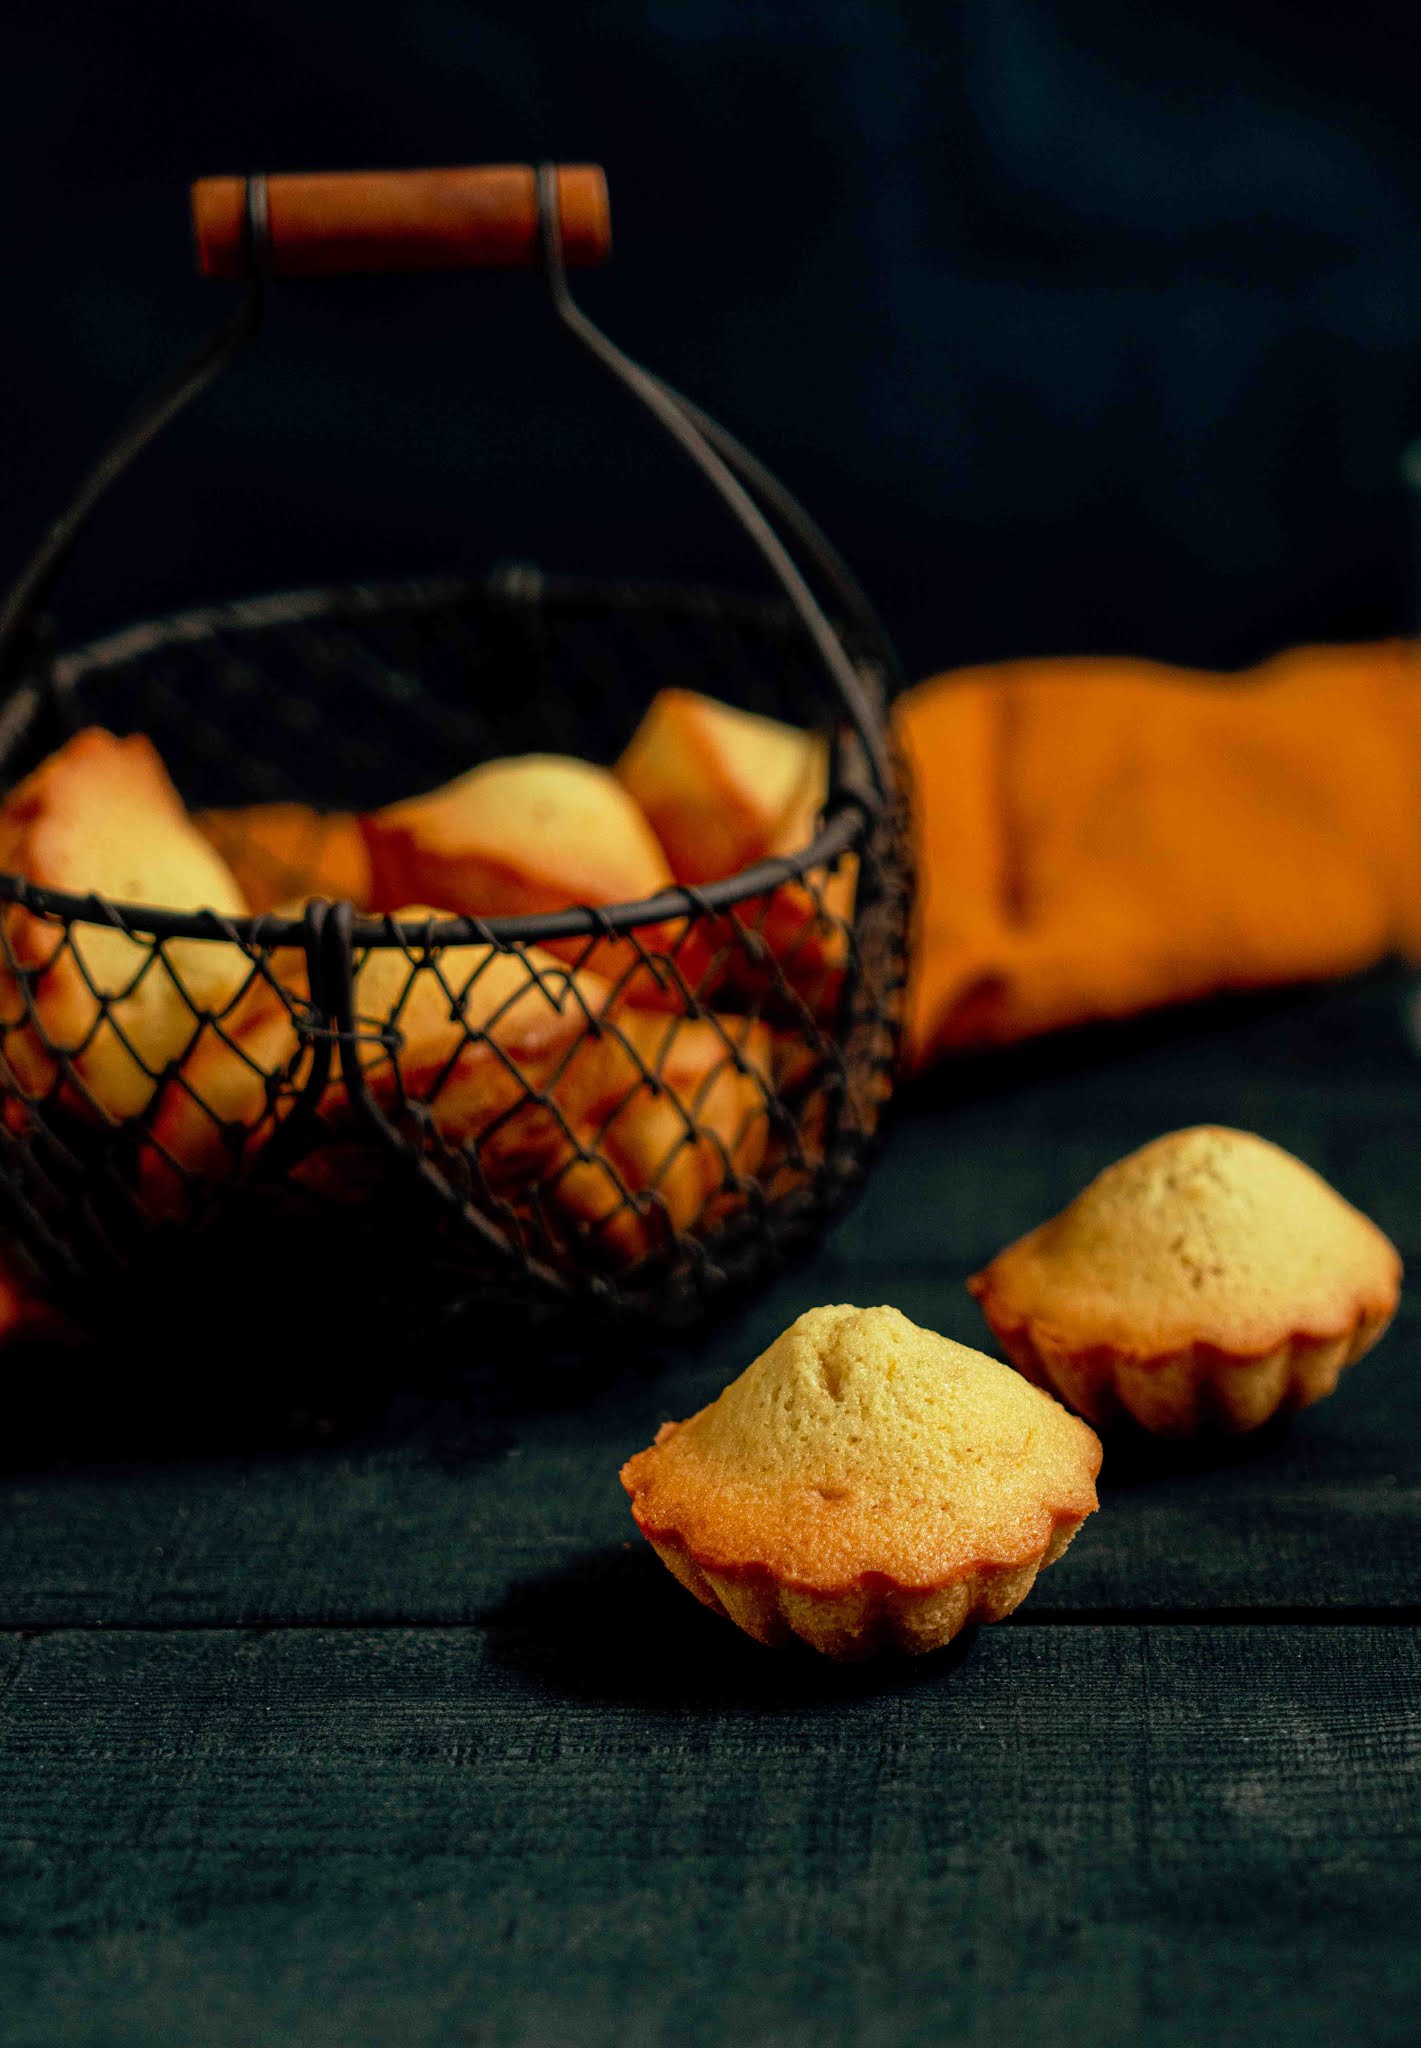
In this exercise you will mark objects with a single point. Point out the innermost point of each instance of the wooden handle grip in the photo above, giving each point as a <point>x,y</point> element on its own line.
<point>330,223</point>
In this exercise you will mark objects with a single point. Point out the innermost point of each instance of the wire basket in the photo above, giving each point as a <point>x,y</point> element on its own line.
<point>638,1107</point>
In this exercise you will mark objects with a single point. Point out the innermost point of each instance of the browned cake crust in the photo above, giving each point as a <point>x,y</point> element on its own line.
<point>865,1484</point>
<point>634,1124</point>
<point>469,1038</point>
<point>284,854</point>
<point>101,815</point>
<point>535,833</point>
<point>725,788</point>
<point>1206,1281</point>
<point>539,832</point>
<point>717,784</point>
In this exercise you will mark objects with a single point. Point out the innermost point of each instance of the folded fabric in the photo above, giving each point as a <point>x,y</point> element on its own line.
<point>1100,837</point>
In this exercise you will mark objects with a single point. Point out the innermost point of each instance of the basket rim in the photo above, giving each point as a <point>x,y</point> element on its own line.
<point>513,585</point>
<point>845,823</point>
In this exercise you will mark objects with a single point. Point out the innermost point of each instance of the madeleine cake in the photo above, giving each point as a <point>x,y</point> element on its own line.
<point>539,832</point>
<point>518,1075</point>
<point>108,1012</point>
<point>670,1118</point>
<point>717,783</point>
<point>725,788</point>
<point>1206,1281</point>
<point>865,1485</point>
<point>286,853</point>
<point>464,1034</point>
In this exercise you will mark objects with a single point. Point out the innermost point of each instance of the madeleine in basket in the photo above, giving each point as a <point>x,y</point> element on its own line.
<point>539,833</point>
<point>94,1012</point>
<point>605,1110</point>
<point>284,854</point>
<point>501,1019</point>
<point>587,1121</point>
<point>723,789</point>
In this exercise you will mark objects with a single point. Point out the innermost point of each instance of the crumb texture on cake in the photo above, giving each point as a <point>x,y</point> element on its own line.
<point>862,1454</point>
<point>1206,1237</point>
<point>529,834</point>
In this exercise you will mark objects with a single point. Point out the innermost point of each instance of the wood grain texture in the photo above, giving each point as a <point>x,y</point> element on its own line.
<point>550,1832</point>
<point>1173,1801</point>
<point>175,1508</point>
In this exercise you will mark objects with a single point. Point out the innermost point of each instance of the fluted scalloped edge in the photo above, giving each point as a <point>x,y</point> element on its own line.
<point>862,1621</point>
<point>1196,1391</point>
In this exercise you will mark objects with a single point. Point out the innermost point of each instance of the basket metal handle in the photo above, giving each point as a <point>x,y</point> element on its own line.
<point>332,223</point>
<point>505,215</point>
<point>744,486</point>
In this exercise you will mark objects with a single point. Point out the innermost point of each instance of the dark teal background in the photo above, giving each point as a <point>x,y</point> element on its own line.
<point>1082,325</point>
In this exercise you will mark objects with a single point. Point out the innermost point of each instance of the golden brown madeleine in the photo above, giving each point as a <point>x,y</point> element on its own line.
<point>226,1100</point>
<point>804,924</point>
<point>458,1030</point>
<point>475,1037</point>
<point>725,788</point>
<point>865,1485</point>
<point>101,815</point>
<point>282,852</point>
<point>426,1000</point>
<point>542,832</point>
<point>539,832</point>
<point>670,1116</point>
<point>630,1122</point>
<point>717,784</point>
<point>1205,1282</point>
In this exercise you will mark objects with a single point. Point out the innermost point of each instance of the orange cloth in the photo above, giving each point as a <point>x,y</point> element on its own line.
<point>1099,837</point>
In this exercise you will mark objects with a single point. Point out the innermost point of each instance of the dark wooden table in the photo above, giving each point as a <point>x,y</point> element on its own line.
<point>399,1736</point>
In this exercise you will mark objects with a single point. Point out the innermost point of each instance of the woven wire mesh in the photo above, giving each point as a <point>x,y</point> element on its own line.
<point>639,1118</point>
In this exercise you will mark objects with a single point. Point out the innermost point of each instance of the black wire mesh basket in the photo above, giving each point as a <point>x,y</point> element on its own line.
<point>637,1107</point>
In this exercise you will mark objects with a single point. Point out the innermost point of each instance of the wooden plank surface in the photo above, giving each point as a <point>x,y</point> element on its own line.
<point>618,1823</point>
<point>157,1496</point>
<point>432,1521</point>
<point>243,1798</point>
